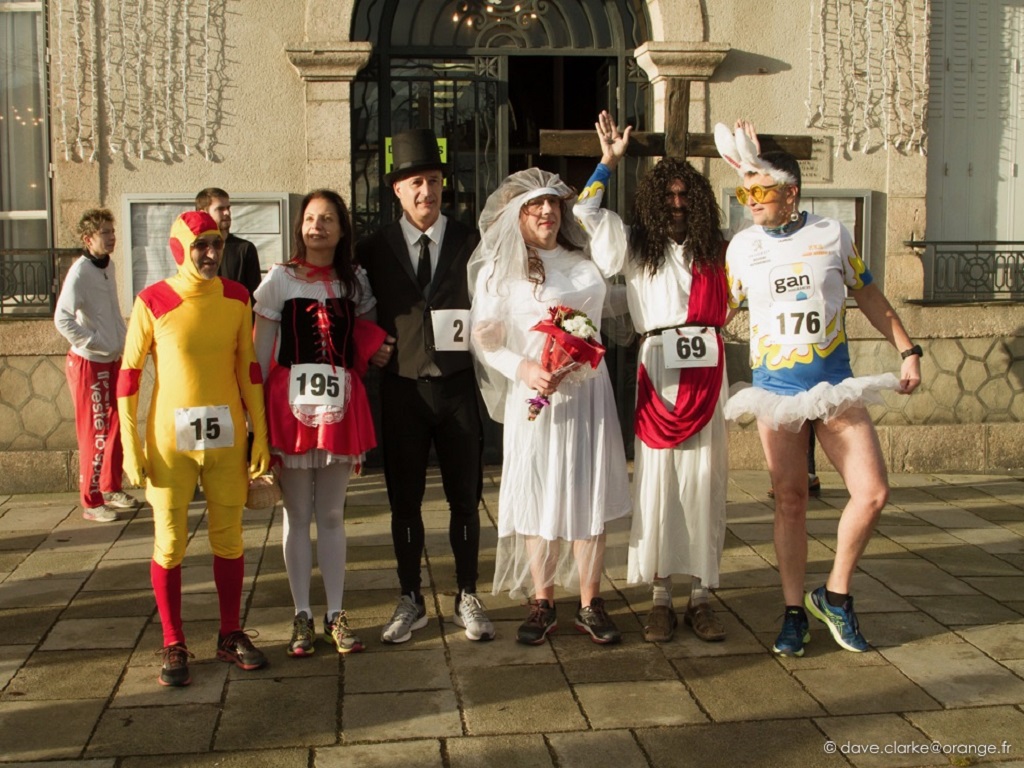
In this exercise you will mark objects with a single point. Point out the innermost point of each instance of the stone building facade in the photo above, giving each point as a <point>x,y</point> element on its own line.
<point>277,98</point>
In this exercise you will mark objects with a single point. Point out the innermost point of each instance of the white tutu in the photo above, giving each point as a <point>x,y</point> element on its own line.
<point>823,401</point>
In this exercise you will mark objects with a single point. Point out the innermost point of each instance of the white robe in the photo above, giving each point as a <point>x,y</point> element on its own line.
<point>678,493</point>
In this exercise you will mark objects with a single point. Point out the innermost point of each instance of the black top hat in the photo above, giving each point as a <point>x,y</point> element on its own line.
<point>413,151</point>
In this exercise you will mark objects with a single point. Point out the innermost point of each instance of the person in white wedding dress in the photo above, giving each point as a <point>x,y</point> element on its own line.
<point>564,473</point>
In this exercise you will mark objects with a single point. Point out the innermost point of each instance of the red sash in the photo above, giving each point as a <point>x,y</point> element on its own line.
<point>659,427</point>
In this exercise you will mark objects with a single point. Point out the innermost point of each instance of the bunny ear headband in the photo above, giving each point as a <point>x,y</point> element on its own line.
<point>742,153</point>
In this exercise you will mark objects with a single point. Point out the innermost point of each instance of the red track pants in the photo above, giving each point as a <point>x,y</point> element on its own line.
<point>92,386</point>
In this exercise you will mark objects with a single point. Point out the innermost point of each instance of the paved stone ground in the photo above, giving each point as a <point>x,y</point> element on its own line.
<point>940,595</point>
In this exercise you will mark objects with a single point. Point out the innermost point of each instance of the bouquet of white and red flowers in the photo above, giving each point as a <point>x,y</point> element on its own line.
<point>571,342</point>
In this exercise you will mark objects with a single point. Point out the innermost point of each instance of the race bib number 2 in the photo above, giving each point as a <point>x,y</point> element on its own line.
<point>798,322</point>
<point>203,428</point>
<point>690,347</point>
<point>451,329</point>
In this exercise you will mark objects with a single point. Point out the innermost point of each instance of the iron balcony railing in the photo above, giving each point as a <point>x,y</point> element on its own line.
<point>30,280</point>
<point>971,271</point>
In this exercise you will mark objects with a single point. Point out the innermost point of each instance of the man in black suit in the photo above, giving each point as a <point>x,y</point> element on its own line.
<point>417,269</point>
<point>241,262</point>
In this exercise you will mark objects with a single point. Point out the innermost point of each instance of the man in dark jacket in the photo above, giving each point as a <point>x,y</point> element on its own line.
<point>241,262</point>
<point>417,269</point>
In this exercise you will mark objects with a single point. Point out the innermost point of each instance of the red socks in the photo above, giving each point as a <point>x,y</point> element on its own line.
<point>167,590</point>
<point>228,576</point>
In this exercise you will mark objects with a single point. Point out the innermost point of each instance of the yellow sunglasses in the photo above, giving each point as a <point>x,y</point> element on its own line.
<point>759,193</point>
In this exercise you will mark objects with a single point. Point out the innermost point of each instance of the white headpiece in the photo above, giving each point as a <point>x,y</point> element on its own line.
<point>743,153</point>
<point>502,248</point>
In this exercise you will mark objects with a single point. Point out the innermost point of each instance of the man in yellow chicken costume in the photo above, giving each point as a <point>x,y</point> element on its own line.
<point>198,328</point>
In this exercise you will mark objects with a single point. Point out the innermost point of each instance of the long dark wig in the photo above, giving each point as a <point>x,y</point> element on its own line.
<point>651,231</point>
<point>343,263</point>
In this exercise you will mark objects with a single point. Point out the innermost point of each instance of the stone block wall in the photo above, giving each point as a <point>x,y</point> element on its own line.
<point>968,415</point>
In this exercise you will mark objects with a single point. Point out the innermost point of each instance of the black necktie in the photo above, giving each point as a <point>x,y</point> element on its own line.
<point>423,268</point>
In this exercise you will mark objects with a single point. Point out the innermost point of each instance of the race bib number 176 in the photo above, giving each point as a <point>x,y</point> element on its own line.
<point>798,322</point>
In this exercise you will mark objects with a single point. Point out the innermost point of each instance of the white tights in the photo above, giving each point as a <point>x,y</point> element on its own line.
<point>319,491</point>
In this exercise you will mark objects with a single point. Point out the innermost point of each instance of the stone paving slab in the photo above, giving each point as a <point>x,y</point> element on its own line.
<point>628,705</point>
<point>915,577</point>
<point>33,593</point>
<point>518,699</point>
<point>863,690</point>
<point>404,715</point>
<point>267,758</point>
<point>1002,642</point>
<point>43,564</point>
<point>969,610</point>
<point>421,754</point>
<point>154,730</point>
<point>90,674</point>
<point>273,712</point>
<point>415,670</point>
<point>957,674</point>
<point>723,688</point>
<point>109,632</point>
<point>99,605</point>
<point>967,560</point>
<point>864,739</point>
<point>139,687</point>
<point>23,738</point>
<point>1001,588</point>
<point>942,608</point>
<point>601,749</point>
<point>982,733</point>
<point>744,745</point>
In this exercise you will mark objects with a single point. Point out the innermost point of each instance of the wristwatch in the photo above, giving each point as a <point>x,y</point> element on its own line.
<point>914,350</point>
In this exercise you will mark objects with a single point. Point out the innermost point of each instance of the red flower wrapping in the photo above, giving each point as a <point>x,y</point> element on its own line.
<point>562,351</point>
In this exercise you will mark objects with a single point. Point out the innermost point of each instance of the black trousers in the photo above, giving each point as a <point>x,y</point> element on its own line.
<point>414,414</point>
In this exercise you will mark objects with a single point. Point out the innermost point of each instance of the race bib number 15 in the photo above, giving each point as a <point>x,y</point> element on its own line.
<point>690,347</point>
<point>203,428</point>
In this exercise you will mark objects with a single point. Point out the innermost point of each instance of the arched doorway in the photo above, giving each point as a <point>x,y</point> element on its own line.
<point>487,76</point>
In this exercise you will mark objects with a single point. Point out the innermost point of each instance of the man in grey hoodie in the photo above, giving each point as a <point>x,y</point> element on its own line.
<point>89,317</point>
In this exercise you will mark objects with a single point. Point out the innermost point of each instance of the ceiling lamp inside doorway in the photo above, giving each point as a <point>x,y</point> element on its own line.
<point>868,73</point>
<point>483,15</point>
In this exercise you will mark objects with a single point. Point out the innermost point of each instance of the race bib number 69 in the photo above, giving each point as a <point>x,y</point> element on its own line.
<point>690,347</point>
<point>203,428</point>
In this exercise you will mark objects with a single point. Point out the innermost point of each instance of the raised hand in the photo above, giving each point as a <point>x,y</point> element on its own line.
<point>613,143</point>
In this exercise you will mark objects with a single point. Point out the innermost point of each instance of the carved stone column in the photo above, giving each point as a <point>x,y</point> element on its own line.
<point>671,67</point>
<point>327,69</point>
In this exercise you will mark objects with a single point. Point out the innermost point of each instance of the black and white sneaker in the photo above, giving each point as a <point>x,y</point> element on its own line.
<point>470,614</point>
<point>543,620</point>
<point>410,614</point>
<point>303,636</point>
<point>595,621</point>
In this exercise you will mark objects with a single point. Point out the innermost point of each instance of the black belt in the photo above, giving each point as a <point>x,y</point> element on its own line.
<point>659,331</point>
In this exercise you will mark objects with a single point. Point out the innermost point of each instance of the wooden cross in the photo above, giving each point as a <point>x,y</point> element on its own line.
<point>649,144</point>
<point>674,142</point>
